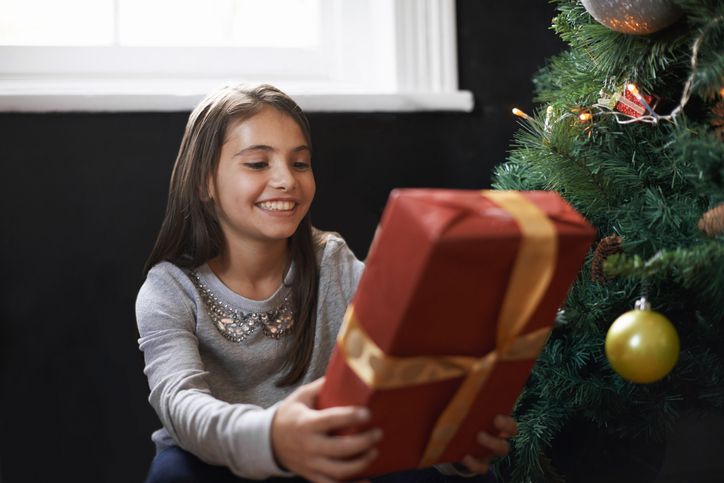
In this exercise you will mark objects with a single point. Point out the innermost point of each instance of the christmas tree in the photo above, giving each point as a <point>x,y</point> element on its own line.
<point>629,130</point>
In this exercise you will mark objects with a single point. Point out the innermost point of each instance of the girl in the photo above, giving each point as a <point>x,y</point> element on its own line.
<point>241,306</point>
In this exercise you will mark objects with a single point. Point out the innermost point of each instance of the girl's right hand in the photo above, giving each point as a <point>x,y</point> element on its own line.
<point>303,444</point>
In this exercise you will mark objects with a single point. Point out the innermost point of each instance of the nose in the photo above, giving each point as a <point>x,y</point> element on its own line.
<point>282,177</point>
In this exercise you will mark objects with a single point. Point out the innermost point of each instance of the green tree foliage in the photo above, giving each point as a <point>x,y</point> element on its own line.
<point>649,184</point>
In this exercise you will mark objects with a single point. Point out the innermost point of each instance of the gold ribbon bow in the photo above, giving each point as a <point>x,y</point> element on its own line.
<point>531,275</point>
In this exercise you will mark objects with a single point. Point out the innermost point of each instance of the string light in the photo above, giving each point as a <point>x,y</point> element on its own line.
<point>549,115</point>
<point>520,113</point>
<point>633,89</point>
<point>654,118</point>
<point>606,105</point>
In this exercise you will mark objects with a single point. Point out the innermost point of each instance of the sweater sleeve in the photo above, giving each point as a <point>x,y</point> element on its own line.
<point>237,436</point>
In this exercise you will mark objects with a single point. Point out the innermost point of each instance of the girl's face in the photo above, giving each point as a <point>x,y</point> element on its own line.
<point>264,184</point>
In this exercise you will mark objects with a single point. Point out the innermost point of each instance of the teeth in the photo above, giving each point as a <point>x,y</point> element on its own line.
<point>277,205</point>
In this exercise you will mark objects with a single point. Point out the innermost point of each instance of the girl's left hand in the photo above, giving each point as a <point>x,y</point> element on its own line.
<point>499,445</point>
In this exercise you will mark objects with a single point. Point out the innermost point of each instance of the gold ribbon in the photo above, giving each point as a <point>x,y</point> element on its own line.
<point>532,272</point>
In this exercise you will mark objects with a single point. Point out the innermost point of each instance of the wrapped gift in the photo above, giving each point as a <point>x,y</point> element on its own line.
<point>459,293</point>
<point>628,104</point>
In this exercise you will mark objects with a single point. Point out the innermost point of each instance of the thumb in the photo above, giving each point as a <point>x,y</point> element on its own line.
<point>307,394</point>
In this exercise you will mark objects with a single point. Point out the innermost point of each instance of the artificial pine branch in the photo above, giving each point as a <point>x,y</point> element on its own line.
<point>698,266</point>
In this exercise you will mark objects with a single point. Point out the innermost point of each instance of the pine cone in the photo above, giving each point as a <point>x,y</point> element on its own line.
<point>606,247</point>
<point>712,222</point>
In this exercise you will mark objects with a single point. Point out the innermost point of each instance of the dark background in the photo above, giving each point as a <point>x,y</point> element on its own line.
<point>82,198</point>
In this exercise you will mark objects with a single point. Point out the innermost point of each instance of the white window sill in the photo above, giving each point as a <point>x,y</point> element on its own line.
<point>25,98</point>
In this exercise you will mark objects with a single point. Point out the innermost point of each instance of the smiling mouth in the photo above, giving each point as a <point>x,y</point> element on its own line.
<point>277,205</point>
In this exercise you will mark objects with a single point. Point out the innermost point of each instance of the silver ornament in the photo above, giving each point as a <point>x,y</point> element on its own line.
<point>633,16</point>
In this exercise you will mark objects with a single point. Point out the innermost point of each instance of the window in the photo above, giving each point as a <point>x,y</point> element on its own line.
<point>165,54</point>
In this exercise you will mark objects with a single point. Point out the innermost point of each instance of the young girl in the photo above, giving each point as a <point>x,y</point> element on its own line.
<point>241,306</point>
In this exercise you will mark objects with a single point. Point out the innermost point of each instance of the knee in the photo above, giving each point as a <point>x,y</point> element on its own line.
<point>174,465</point>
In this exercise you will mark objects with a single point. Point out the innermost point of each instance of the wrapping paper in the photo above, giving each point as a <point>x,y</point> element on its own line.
<point>459,293</point>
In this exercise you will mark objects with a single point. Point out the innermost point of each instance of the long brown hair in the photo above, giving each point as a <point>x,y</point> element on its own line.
<point>190,232</point>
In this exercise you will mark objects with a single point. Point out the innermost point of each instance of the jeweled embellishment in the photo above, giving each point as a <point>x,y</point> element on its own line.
<point>236,325</point>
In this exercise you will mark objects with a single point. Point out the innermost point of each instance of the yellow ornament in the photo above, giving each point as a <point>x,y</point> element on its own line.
<point>642,345</point>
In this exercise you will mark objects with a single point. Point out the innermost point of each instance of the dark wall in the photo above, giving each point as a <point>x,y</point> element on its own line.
<point>83,195</point>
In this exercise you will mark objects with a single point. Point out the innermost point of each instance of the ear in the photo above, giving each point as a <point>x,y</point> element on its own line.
<point>209,193</point>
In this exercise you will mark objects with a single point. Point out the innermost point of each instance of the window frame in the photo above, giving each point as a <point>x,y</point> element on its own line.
<point>420,73</point>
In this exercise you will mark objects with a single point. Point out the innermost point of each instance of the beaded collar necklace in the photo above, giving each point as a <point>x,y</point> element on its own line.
<point>236,325</point>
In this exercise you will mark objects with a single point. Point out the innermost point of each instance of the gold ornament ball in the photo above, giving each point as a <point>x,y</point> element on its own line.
<point>636,17</point>
<point>642,346</point>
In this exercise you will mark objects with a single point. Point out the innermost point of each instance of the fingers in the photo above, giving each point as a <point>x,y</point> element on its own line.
<point>319,478</point>
<point>346,446</point>
<point>479,466</point>
<point>303,441</point>
<point>339,417</point>
<point>498,446</point>
<point>506,425</point>
<point>343,469</point>
<point>308,392</point>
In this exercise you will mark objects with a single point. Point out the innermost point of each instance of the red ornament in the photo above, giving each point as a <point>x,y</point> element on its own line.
<point>629,105</point>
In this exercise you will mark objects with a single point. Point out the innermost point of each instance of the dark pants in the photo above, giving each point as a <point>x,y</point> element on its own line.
<point>174,465</point>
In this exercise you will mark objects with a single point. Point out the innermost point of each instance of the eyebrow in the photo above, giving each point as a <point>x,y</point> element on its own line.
<point>264,147</point>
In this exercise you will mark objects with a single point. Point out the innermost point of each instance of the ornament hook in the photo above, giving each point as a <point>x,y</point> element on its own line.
<point>642,304</point>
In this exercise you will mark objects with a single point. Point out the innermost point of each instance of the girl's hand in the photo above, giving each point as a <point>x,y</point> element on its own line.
<point>302,441</point>
<point>507,428</point>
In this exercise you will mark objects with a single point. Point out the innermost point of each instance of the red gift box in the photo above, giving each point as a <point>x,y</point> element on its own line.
<point>459,293</point>
<point>628,104</point>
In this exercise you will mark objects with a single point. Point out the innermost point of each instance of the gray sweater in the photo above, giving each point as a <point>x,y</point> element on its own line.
<point>216,398</point>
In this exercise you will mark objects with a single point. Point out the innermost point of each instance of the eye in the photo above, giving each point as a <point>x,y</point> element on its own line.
<point>257,164</point>
<point>302,165</point>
